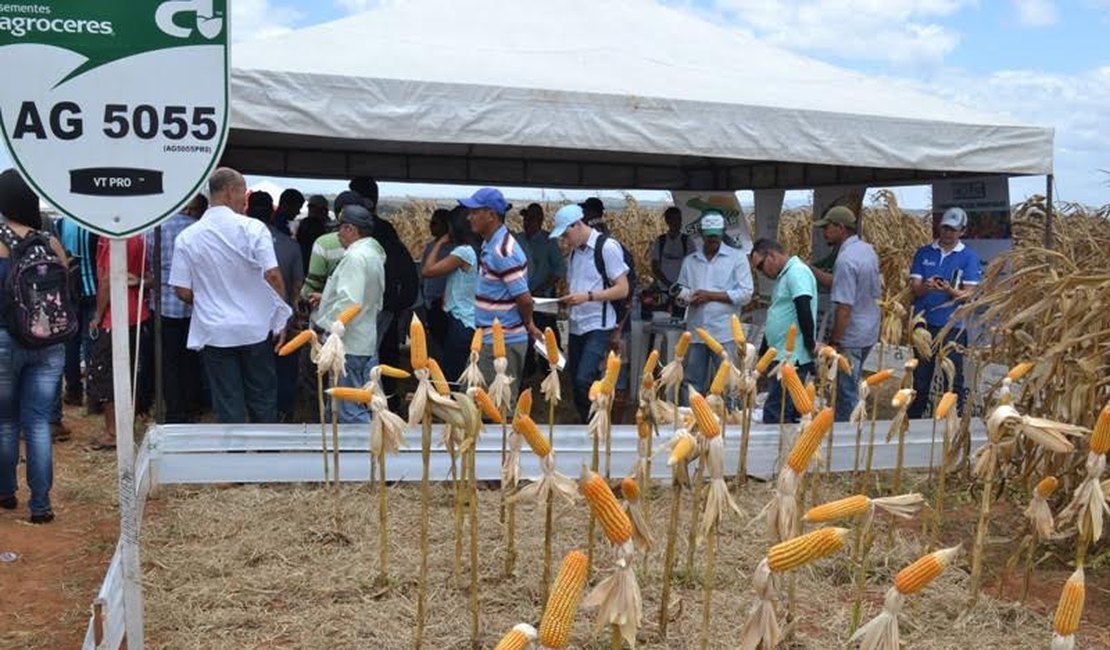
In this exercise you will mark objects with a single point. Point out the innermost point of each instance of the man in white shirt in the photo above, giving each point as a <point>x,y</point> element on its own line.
<point>717,282</point>
<point>225,267</point>
<point>358,280</point>
<point>593,320</point>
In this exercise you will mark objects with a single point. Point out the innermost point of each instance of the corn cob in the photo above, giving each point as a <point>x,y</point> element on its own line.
<point>614,520</point>
<point>348,394</point>
<point>738,336</point>
<point>1020,370</point>
<point>348,314</point>
<point>809,440</point>
<point>901,398</point>
<point>524,403</point>
<point>1046,486</point>
<point>879,377</point>
<point>713,344</point>
<point>418,351</point>
<point>552,344</point>
<point>946,403</point>
<point>1100,437</point>
<point>476,340</point>
<point>839,509</point>
<point>791,338</point>
<point>643,426</point>
<point>793,384</point>
<point>485,403</point>
<point>924,570</point>
<point>595,390</point>
<point>296,343</point>
<point>498,339</point>
<point>390,371</point>
<point>682,449</point>
<point>798,551</point>
<point>765,361</point>
<point>843,363</point>
<point>612,372</point>
<point>562,604</point>
<point>1070,608</point>
<point>652,362</point>
<point>707,422</point>
<point>439,381</point>
<point>811,391</point>
<point>720,380</point>
<point>630,489</point>
<point>526,427</point>
<point>518,638</point>
<point>682,345</point>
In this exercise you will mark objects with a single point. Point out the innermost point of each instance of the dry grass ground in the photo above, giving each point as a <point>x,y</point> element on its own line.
<point>255,567</point>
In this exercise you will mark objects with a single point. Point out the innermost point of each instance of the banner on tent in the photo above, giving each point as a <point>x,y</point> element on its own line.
<point>695,204</point>
<point>986,200</point>
<point>94,122</point>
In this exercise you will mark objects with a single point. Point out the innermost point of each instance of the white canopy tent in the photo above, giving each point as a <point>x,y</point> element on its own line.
<point>626,94</point>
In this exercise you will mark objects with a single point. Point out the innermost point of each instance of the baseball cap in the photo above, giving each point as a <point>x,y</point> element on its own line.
<point>357,215</point>
<point>487,197</point>
<point>837,214</point>
<point>567,216</point>
<point>712,223</point>
<point>954,218</point>
<point>346,198</point>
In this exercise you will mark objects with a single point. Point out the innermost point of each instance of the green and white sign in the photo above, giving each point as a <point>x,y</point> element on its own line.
<point>114,110</point>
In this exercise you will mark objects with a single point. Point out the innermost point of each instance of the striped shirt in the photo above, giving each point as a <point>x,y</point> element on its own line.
<point>172,306</point>
<point>81,243</point>
<point>502,277</point>
<point>326,253</point>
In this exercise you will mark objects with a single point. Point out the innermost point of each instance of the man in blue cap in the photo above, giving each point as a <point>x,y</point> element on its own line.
<point>502,289</point>
<point>597,276</point>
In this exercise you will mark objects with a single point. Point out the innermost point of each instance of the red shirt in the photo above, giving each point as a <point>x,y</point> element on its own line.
<point>136,268</point>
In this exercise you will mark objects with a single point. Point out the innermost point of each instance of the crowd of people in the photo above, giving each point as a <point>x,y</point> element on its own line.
<point>239,275</point>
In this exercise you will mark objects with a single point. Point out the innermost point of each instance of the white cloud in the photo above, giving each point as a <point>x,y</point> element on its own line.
<point>251,19</point>
<point>899,31</point>
<point>357,6</point>
<point>1036,13</point>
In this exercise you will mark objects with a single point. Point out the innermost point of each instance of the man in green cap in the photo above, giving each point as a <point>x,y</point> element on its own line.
<point>855,288</point>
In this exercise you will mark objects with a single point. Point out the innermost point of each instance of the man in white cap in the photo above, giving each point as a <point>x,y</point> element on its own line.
<point>717,282</point>
<point>943,275</point>
<point>855,288</point>
<point>597,276</point>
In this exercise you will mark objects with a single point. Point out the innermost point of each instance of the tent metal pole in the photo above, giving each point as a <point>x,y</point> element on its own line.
<point>159,388</point>
<point>1049,234</point>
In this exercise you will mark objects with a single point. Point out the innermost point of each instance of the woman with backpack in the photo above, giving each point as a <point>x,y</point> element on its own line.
<point>460,266</point>
<point>32,348</point>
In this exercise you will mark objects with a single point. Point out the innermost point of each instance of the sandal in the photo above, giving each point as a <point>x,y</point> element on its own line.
<point>102,445</point>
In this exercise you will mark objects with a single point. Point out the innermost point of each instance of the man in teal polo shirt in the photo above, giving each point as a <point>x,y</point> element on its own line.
<point>943,275</point>
<point>793,302</point>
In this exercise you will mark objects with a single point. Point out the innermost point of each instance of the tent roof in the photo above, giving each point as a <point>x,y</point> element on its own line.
<point>578,93</point>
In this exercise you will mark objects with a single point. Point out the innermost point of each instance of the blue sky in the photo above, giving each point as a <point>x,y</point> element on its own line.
<point>1045,62</point>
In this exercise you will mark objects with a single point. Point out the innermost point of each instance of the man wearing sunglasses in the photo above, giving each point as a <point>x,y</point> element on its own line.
<point>793,302</point>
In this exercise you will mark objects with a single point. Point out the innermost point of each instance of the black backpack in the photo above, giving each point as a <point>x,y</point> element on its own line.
<point>39,307</point>
<point>621,306</point>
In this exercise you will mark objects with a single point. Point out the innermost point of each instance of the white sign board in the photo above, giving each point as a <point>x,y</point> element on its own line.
<point>115,112</point>
<point>986,200</point>
<point>695,204</point>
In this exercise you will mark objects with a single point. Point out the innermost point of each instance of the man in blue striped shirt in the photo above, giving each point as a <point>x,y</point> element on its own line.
<point>502,289</point>
<point>80,243</point>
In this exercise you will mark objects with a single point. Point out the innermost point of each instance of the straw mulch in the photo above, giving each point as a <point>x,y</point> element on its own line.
<point>258,567</point>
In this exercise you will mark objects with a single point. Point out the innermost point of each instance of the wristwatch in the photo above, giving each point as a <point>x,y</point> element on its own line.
<point>589,296</point>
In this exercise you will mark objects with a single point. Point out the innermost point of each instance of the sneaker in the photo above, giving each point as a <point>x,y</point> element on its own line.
<point>9,502</point>
<point>42,517</point>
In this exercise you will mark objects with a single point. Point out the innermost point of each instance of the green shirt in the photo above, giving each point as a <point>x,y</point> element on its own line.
<point>795,280</point>
<point>359,279</point>
<point>326,253</point>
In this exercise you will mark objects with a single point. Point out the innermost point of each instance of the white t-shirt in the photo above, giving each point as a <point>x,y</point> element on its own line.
<point>582,276</point>
<point>222,259</point>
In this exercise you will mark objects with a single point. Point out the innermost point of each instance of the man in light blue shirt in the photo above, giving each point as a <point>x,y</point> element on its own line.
<point>719,282</point>
<point>856,286</point>
<point>793,302</point>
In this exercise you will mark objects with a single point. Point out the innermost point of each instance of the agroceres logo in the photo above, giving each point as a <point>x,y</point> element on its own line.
<point>207,22</point>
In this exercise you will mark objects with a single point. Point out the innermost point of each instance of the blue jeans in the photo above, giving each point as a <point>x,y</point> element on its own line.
<point>701,366</point>
<point>847,384</point>
<point>923,375</point>
<point>773,404</point>
<point>28,386</point>
<point>243,381</point>
<point>358,373</point>
<point>456,349</point>
<point>585,359</point>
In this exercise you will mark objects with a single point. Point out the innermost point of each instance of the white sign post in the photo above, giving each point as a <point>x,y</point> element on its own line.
<point>116,113</point>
